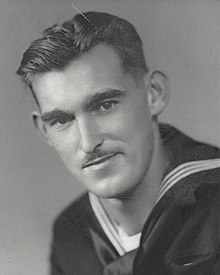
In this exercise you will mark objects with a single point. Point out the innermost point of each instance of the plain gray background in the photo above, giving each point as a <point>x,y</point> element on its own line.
<point>182,38</point>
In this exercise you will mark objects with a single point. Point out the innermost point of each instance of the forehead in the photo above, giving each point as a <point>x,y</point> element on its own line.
<point>99,69</point>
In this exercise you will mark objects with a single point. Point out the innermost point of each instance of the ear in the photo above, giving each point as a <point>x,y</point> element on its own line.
<point>40,126</point>
<point>158,91</point>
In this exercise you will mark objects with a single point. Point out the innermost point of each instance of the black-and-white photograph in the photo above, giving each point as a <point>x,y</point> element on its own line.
<point>110,136</point>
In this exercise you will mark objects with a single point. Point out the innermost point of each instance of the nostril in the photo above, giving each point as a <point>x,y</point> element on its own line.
<point>89,135</point>
<point>90,143</point>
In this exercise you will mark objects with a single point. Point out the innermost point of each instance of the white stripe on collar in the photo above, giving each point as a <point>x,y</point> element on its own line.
<point>106,224</point>
<point>168,182</point>
<point>184,170</point>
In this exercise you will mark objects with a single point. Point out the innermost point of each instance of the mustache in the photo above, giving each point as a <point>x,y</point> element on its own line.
<point>96,155</point>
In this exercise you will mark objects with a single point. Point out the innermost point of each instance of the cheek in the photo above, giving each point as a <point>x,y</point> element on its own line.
<point>64,143</point>
<point>134,124</point>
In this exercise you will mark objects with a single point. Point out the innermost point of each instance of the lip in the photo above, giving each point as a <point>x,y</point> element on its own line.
<point>99,160</point>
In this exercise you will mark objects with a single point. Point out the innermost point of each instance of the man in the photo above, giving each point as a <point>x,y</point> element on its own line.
<point>152,205</point>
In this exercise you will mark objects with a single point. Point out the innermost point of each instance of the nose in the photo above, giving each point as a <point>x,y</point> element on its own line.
<point>89,135</point>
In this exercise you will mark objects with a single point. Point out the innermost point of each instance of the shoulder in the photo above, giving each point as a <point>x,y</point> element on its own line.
<point>74,219</point>
<point>194,167</point>
<point>182,148</point>
<point>190,157</point>
<point>72,238</point>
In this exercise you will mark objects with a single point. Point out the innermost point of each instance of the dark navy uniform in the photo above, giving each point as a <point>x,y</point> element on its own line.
<point>180,236</point>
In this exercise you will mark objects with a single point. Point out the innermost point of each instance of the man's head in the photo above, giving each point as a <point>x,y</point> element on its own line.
<point>98,102</point>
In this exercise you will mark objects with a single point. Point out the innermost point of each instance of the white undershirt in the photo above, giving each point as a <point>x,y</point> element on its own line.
<point>128,242</point>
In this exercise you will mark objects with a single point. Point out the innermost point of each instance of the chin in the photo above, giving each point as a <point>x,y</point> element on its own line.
<point>112,188</point>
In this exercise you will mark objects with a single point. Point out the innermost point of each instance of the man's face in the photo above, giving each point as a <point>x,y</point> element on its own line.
<point>98,121</point>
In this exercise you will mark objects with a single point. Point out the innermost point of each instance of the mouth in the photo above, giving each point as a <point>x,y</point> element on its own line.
<point>99,160</point>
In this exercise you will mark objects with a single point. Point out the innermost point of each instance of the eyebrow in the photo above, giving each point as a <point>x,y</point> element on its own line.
<point>55,114</point>
<point>95,99</point>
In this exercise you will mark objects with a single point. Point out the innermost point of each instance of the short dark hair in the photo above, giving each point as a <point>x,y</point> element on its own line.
<point>61,44</point>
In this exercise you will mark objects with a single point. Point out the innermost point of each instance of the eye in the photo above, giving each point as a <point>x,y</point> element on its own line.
<point>106,105</point>
<point>61,121</point>
<point>57,122</point>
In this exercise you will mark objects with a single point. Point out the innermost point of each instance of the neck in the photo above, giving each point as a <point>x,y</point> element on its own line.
<point>131,211</point>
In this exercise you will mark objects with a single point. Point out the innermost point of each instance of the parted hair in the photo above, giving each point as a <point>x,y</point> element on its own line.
<point>62,43</point>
